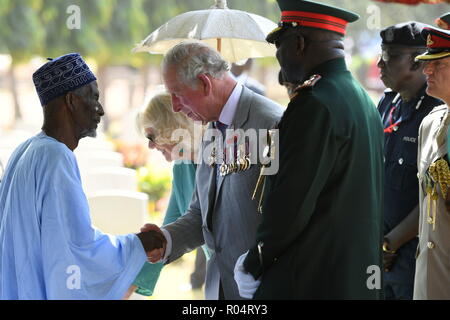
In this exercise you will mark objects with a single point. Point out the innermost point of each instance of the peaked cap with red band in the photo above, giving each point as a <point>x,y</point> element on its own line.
<point>311,14</point>
<point>438,44</point>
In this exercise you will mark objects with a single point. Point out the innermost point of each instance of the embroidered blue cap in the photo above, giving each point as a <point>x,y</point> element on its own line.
<point>61,75</point>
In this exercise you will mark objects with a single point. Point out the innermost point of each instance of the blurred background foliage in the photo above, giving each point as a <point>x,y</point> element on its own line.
<point>154,182</point>
<point>109,30</point>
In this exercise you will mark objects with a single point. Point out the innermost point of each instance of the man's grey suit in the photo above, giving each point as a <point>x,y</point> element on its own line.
<point>233,219</point>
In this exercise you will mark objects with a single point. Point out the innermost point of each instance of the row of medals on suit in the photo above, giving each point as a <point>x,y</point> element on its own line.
<point>241,163</point>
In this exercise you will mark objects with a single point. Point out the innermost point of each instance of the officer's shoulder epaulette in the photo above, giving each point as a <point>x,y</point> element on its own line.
<point>307,84</point>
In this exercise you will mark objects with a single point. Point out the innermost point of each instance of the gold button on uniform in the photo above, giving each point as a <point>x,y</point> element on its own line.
<point>430,245</point>
<point>400,161</point>
<point>430,220</point>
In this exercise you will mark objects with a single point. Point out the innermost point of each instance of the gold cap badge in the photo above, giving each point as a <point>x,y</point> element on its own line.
<point>429,40</point>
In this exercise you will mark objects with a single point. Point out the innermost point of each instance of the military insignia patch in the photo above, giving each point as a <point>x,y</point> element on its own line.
<point>389,35</point>
<point>430,42</point>
<point>307,84</point>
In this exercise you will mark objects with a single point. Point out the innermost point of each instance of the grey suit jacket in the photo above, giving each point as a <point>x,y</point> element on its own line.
<point>234,218</point>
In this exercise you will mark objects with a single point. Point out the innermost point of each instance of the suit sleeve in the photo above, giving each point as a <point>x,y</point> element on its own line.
<point>186,232</point>
<point>307,154</point>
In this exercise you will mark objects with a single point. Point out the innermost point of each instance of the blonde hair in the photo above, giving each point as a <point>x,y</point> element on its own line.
<point>157,114</point>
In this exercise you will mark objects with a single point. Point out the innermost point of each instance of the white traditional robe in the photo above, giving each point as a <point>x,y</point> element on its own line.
<point>48,247</point>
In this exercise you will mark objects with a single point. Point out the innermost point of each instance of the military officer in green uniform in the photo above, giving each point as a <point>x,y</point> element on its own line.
<point>321,230</point>
<point>432,278</point>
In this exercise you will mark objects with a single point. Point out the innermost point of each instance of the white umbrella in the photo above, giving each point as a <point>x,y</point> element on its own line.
<point>236,34</point>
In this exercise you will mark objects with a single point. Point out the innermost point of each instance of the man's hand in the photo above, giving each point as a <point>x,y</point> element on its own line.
<point>149,227</point>
<point>153,241</point>
<point>156,254</point>
<point>388,261</point>
<point>389,254</point>
<point>247,285</point>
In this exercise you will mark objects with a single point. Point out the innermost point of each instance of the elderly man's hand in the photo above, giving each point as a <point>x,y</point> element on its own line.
<point>156,254</point>
<point>153,241</point>
<point>149,227</point>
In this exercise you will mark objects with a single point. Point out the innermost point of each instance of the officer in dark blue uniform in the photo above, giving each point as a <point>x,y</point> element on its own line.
<point>402,109</point>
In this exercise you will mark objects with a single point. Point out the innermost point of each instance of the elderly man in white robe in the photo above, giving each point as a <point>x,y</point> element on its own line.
<point>48,247</point>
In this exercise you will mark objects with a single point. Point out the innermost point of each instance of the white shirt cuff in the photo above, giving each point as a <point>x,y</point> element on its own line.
<point>168,246</point>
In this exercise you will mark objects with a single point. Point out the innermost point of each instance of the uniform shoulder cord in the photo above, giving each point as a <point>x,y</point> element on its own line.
<point>440,173</point>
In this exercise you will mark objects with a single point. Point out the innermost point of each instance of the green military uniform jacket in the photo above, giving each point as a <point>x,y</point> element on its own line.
<point>322,215</point>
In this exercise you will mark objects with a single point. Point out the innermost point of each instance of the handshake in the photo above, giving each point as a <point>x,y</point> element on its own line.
<point>153,241</point>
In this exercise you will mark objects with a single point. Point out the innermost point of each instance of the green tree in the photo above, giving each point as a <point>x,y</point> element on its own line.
<point>107,32</point>
<point>61,38</point>
<point>21,37</point>
<point>127,27</point>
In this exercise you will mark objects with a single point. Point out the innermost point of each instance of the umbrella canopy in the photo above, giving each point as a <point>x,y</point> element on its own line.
<point>236,34</point>
<point>415,2</point>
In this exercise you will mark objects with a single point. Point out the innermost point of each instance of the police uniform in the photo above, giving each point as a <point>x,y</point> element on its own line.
<point>401,185</point>
<point>432,278</point>
<point>321,218</point>
<point>401,121</point>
